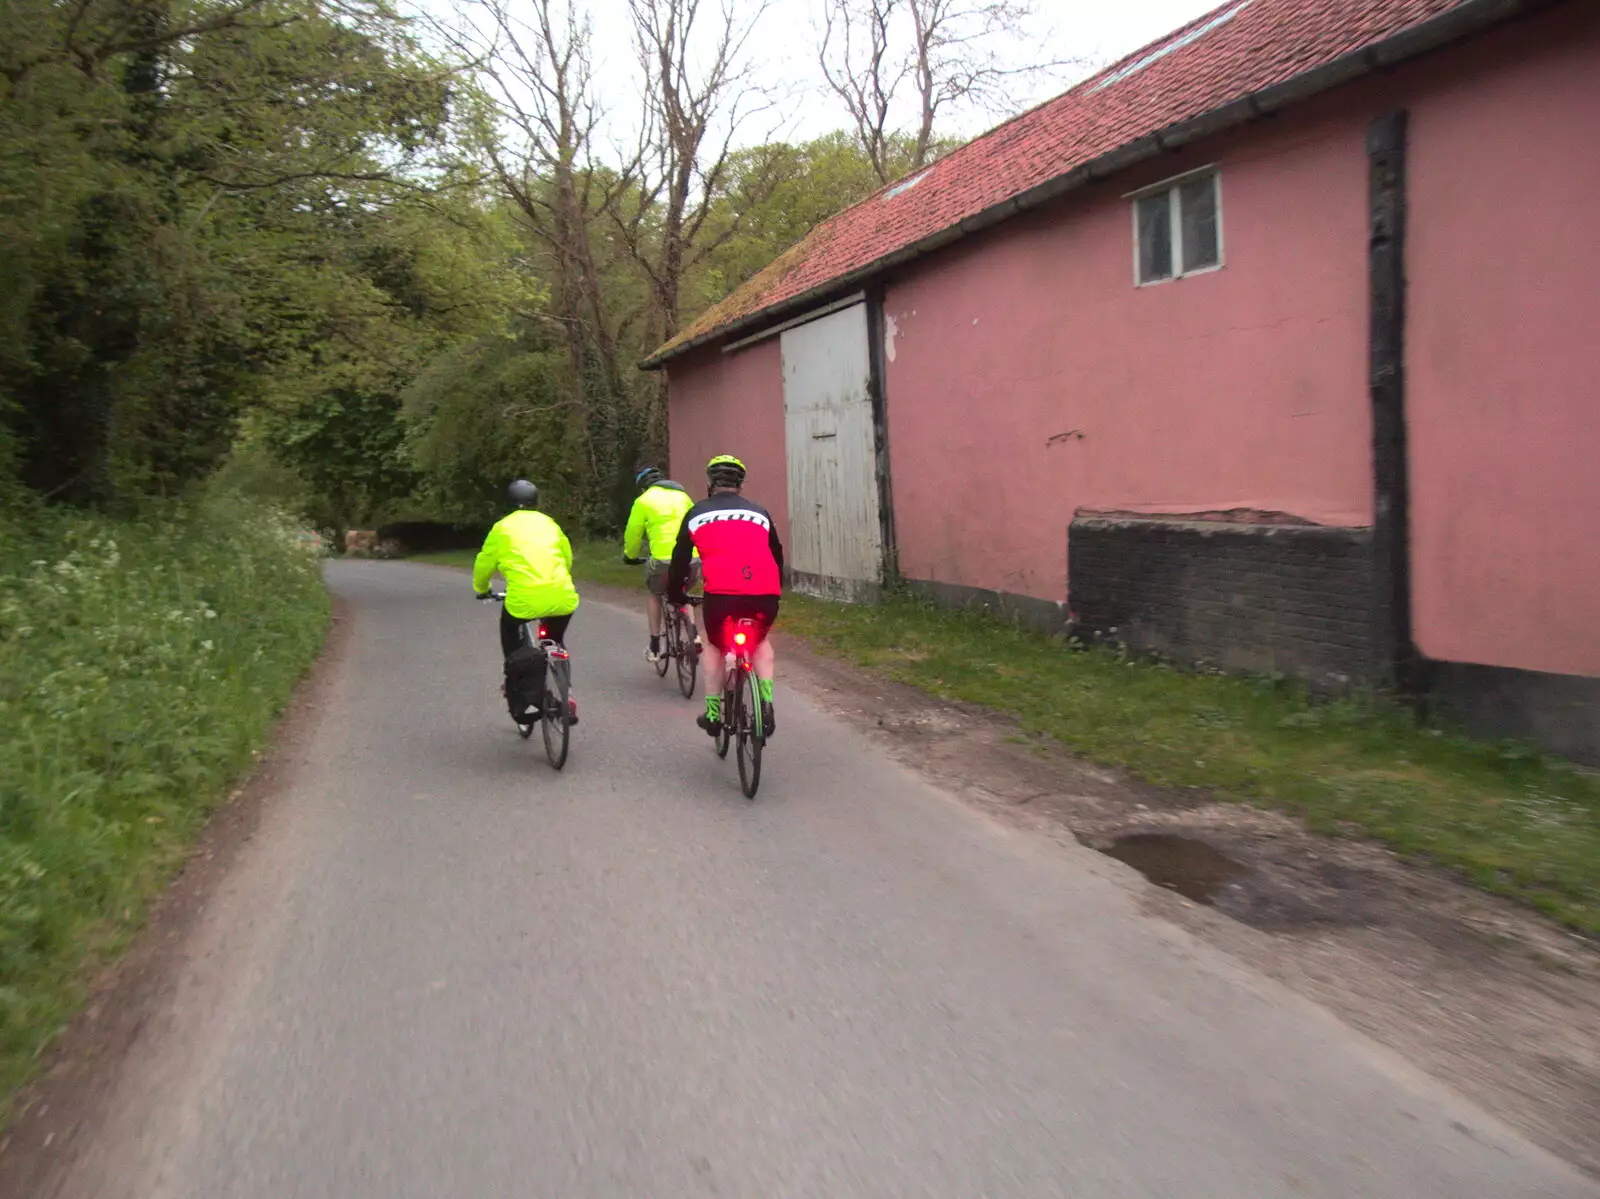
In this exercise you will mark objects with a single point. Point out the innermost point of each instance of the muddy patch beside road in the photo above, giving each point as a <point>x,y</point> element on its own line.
<point>1485,995</point>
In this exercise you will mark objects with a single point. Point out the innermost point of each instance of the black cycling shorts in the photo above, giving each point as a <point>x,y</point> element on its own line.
<point>721,612</point>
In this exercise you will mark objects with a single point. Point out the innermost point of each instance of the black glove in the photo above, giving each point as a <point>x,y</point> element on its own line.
<point>627,561</point>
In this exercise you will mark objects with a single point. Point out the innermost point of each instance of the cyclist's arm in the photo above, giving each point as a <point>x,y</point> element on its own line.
<point>564,550</point>
<point>483,567</point>
<point>774,544</point>
<point>678,572</point>
<point>633,539</point>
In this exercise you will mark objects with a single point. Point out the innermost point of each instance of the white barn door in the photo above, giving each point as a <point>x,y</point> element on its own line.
<point>835,539</point>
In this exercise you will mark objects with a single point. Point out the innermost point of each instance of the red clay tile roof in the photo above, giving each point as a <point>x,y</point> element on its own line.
<point>1236,51</point>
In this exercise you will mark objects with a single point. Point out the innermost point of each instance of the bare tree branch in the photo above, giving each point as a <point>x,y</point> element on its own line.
<point>863,76</point>
<point>700,91</point>
<point>947,51</point>
<point>538,67</point>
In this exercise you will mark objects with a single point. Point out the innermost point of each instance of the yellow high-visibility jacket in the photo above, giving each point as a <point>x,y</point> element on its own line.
<point>653,522</point>
<point>535,557</point>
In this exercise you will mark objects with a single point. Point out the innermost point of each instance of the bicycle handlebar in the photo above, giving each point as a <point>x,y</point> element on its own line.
<point>493,595</point>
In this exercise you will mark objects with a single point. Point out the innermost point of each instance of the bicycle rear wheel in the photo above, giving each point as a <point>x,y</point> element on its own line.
<point>749,734</point>
<point>683,646</point>
<point>553,725</point>
<point>664,660</point>
<point>725,737</point>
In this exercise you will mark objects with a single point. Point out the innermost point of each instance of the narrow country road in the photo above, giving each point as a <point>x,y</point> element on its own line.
<point>442,971</point>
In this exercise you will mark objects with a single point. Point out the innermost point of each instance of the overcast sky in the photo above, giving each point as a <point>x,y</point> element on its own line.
<point>1090,32</point>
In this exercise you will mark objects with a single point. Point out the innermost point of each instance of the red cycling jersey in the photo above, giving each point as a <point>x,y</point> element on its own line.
<point>740,553</point>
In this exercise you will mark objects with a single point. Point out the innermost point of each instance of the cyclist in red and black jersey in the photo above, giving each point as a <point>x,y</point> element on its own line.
<point>742,563</point>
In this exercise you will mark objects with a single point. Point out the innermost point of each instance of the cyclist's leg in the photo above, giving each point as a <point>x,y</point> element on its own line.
<point>763,609</point>
<point>716,613</point>
<point>510,632</point>
<point>688,612</point>
<point>765,659</point>
<point>512,638</point>
<point>714,669</point>
<point>655,585</point>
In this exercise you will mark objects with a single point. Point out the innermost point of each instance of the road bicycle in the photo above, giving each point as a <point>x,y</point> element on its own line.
<point>555,723</point>
<point>741,705</point>
<point>678,649</point>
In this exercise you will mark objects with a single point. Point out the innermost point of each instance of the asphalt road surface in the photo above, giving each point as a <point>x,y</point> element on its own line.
<point>443,971</point>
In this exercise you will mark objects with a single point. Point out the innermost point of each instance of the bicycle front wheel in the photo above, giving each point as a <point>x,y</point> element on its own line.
<point>749,733</point>
<point>553,725</point>
<point>685,657</point>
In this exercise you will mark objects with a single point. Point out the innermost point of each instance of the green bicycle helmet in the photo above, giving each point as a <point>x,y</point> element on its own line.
<point>725,471</point>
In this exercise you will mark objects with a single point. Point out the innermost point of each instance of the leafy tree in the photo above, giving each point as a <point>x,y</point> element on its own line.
<point>171,178</point>
<point>350,446</point>
<point>493,410</point>
<point>395,291</point>
<point>279,235</point>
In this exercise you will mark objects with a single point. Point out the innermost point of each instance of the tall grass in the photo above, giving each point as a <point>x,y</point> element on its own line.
<point>141,663</point>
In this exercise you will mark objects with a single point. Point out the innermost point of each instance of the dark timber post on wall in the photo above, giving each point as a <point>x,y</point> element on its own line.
<point>880,429</point>
<point>1386,265</point>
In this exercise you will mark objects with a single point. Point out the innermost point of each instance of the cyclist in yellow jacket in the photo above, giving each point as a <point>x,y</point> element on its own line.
<point>535,557</point>
<point>652,533</point>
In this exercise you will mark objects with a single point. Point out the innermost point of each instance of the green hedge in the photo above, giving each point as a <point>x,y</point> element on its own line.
<point>141,664</point>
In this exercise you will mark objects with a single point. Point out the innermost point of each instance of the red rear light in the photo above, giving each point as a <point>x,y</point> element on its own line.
<point>739,639</point>
<point>543,632</point>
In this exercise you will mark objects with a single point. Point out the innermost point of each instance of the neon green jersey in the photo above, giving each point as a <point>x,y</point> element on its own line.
<point>535,557</point>
<point>653,523</point>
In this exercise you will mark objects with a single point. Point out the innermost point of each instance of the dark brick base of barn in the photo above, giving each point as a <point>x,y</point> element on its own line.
<point>1286,598</point>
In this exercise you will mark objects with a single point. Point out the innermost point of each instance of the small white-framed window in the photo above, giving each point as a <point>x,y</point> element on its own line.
<point>1177,227</point>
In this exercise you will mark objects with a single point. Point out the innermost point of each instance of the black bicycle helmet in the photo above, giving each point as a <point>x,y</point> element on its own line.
<point>725,471</point>
<point>648,476</point>
<point>523,494</point>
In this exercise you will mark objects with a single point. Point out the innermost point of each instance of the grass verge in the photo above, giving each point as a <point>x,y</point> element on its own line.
<point>141,664</point>
<point>1511,820</point>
